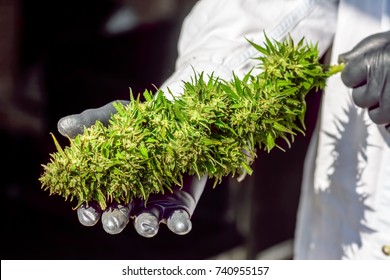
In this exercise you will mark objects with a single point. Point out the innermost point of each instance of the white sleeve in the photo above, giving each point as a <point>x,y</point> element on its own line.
<point>213,35</point>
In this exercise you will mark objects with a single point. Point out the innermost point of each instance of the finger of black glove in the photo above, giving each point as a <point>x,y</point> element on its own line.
<point>369,44</point>
<point>185,198</point>
<point>73,125</point>
<point>380,114</point>
<point>90,214</point>
<point>372,66</point>
<point>373,72</point>
<point>375,95</point>
<point>361,99</point>
<point>355,73</point>
<point>193,187</point>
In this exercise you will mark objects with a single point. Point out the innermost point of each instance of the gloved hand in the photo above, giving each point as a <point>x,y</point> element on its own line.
<point>367,71</point>
<point>175,209</point>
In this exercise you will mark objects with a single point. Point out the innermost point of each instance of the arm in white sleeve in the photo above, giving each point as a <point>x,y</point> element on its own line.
<point>213,35</point>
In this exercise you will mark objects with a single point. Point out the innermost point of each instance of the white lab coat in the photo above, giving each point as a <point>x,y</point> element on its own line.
<point>344,211</point>
<point>345,201</point>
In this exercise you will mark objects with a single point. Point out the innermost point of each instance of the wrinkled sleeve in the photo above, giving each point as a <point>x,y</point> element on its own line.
<point>213,38</point>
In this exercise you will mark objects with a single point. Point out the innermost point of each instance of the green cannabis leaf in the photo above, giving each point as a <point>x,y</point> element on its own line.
<point>213,128</point>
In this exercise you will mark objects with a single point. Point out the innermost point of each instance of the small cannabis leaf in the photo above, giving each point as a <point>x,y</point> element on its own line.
<point>213,128</point>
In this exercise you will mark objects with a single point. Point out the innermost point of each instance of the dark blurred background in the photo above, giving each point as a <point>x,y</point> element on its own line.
<point>62,57</point>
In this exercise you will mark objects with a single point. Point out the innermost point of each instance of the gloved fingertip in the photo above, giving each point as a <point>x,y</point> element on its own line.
<point>88,216</point>
<point>179,222</point>
<point>70,126</point>
<point>343,58</point>
<point>146,224</point>
<point>115,219</point>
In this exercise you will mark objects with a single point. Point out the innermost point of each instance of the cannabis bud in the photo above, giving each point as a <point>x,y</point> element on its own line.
<point>213,128</point>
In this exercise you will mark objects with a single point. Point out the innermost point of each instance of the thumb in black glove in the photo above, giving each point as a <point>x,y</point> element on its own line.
<point>367,71</point>
<point>174,209</point>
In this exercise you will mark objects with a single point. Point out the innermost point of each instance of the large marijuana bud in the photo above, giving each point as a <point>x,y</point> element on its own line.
<point>213,128</point>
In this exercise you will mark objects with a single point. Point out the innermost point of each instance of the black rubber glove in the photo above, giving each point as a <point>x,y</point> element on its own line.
<point>175,209</point>
<point>367,71</point>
